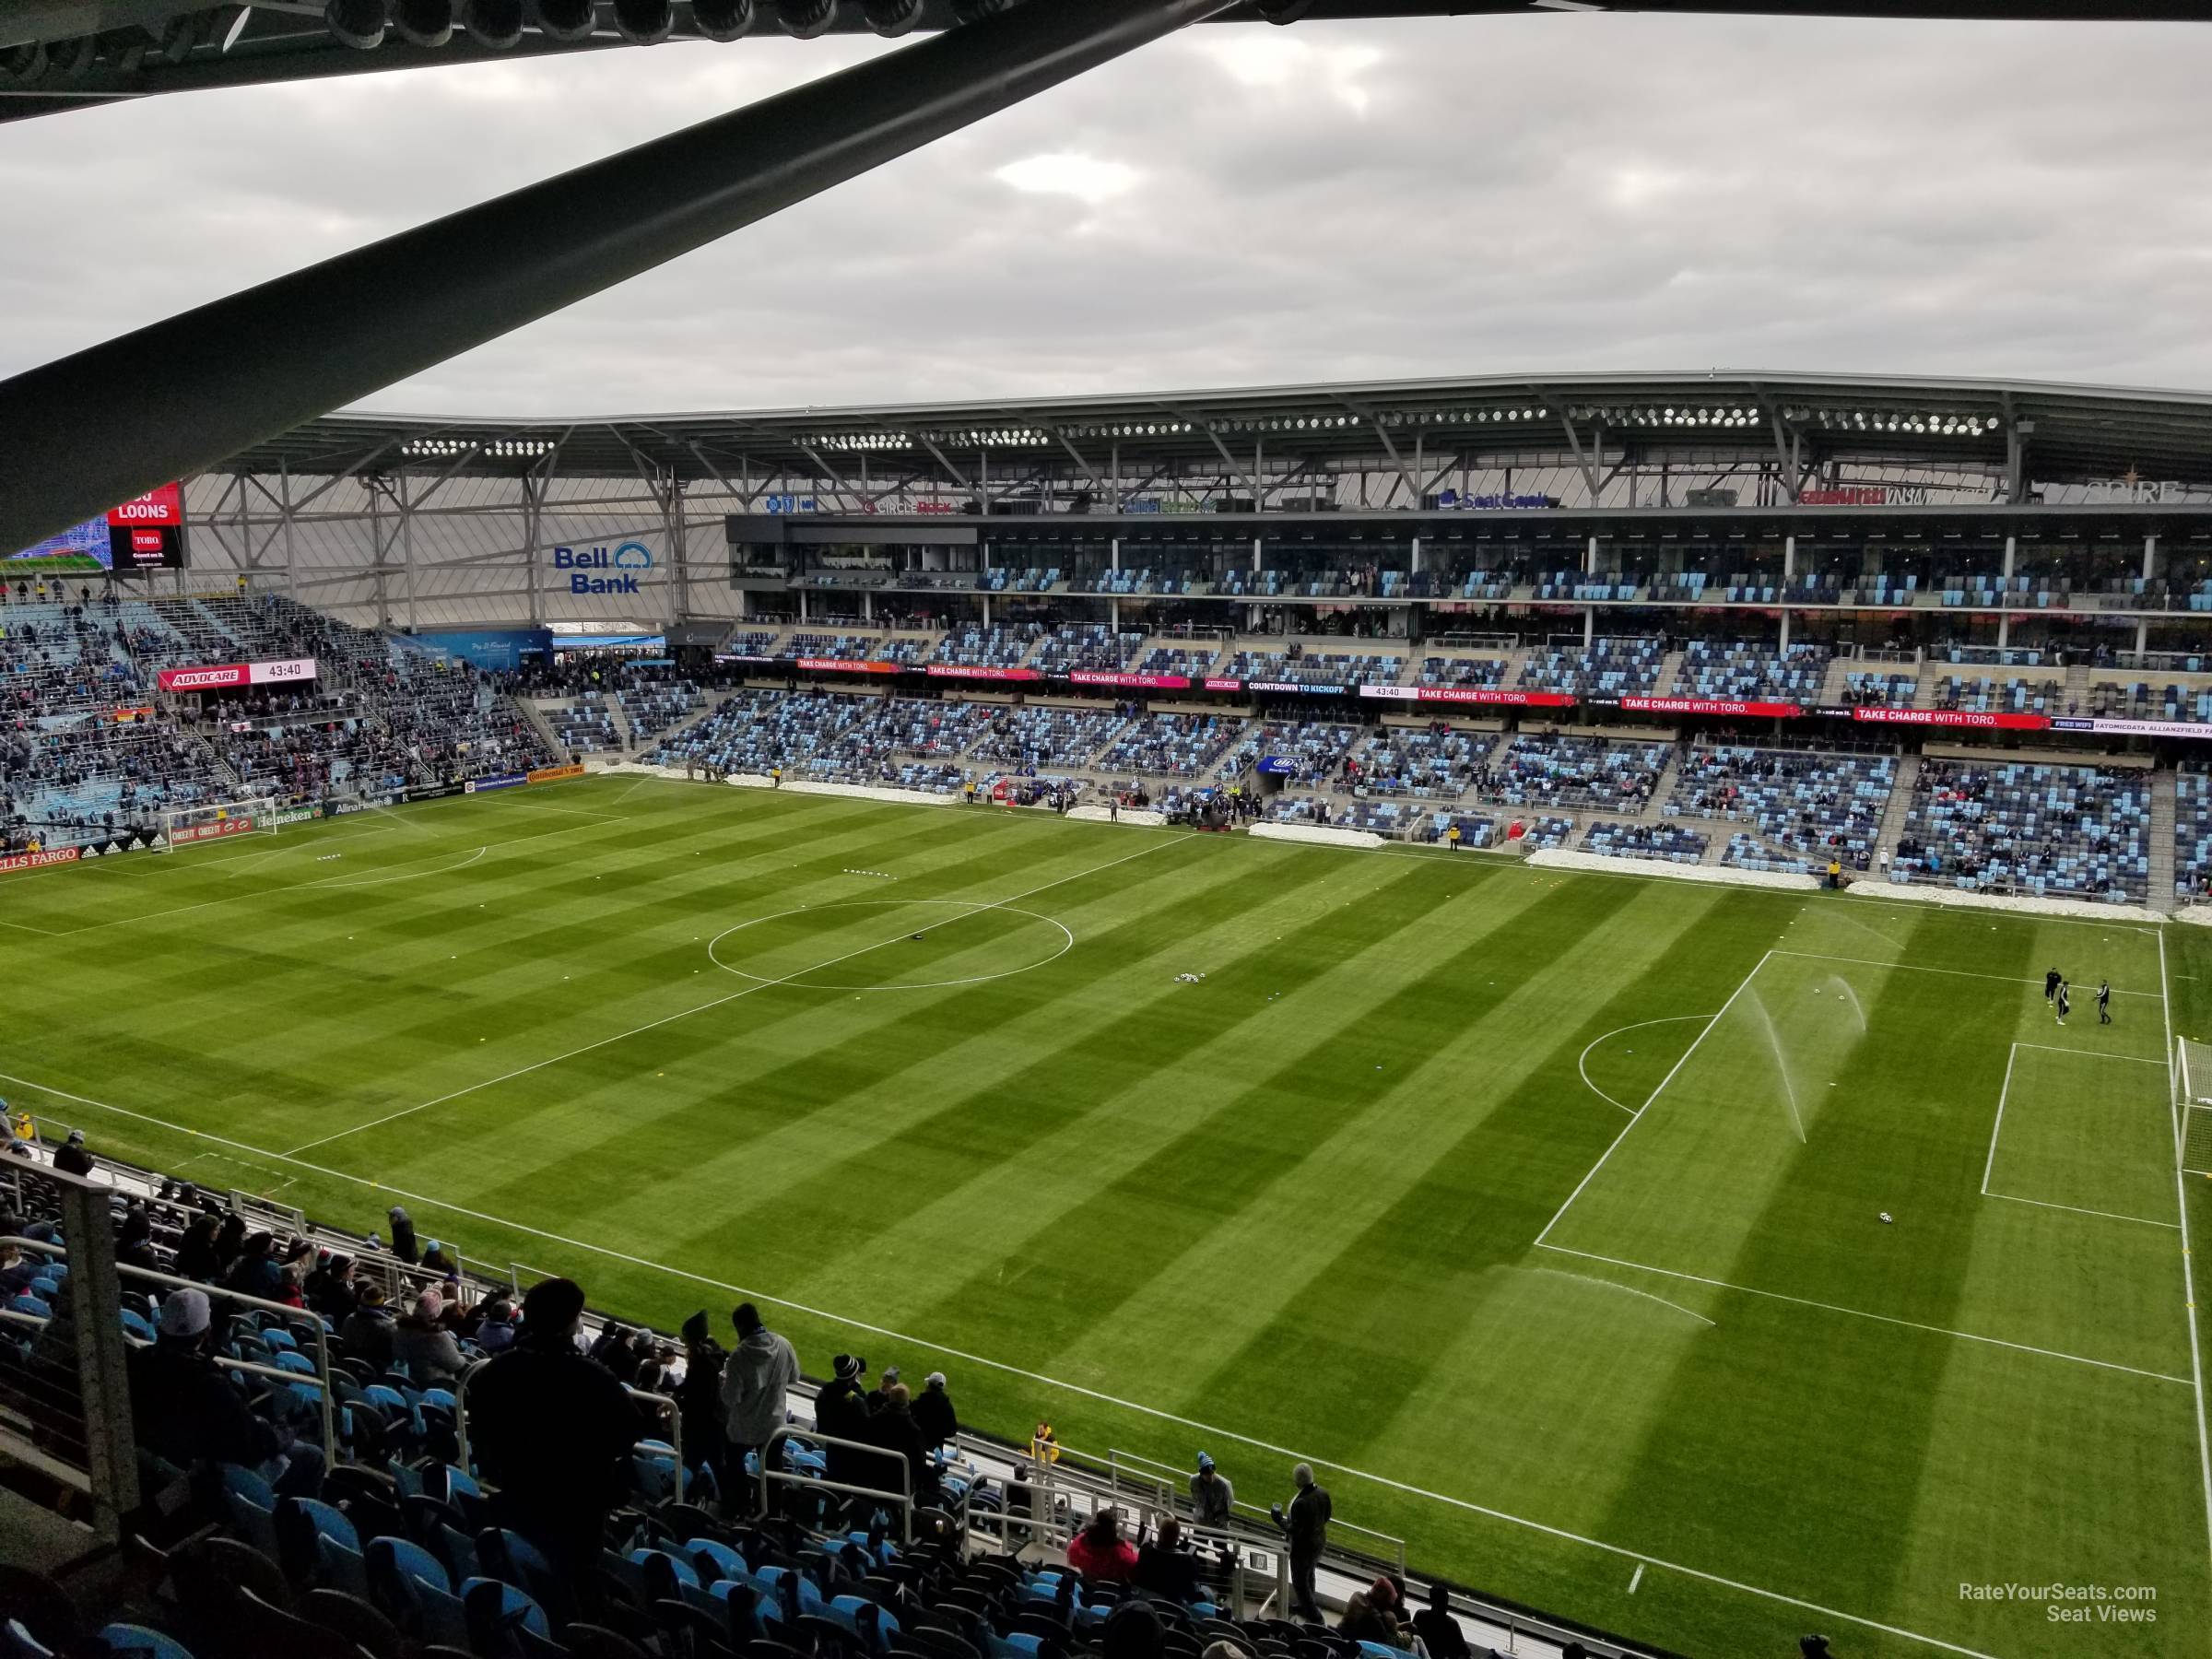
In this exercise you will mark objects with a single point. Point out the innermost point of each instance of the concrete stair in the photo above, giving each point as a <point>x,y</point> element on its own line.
<point>1655,810</point>
<point>1895,813</point>
<point>2163,813</point>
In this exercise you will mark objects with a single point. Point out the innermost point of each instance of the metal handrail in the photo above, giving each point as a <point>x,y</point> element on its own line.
<point>321,1378</point>
<point>903,1498</point>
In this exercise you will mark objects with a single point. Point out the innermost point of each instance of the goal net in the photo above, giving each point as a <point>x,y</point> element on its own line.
<point>216,820</point>
<point>2193,1087</point>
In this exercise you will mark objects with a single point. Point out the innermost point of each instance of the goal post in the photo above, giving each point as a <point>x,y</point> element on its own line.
<point>2192,1091</point>
<point>214,820</point>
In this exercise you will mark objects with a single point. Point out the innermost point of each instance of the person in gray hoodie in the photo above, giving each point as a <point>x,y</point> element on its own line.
<point>756,1379</point>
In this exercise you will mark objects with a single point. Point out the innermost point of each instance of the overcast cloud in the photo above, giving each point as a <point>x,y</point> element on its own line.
<point>1243,205</point>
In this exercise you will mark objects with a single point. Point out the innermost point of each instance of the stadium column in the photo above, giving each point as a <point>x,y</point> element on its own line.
<point>182,396</point>
<point>110,1453</point>
<point>2150,563</point>
<point>1789,574</point>
<point>2012,544</point>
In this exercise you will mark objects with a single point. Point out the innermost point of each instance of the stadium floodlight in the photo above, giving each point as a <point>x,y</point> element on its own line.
<point>567,21</point>
<point>892,17</point>
<point>644,22</point>
<point>424,22</point>
<point>804,19</point>
<point>357,23</point>
<point>494,23</point>
<point>722,20</point>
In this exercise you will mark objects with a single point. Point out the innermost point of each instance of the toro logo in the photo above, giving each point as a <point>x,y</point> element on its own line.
<point>630,556</point>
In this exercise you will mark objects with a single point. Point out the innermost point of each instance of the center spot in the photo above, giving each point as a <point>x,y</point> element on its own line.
<point>889,944</point>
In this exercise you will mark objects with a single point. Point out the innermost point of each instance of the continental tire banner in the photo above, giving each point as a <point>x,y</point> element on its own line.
<point>554,774</point>
<point>33,861</point>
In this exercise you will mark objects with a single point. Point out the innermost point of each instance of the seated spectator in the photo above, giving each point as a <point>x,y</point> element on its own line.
<point>367,1331</point>
<point>135,1241</point>
<point>1165,1568</point>
<point>553,1432</point>
<point>188,1412</point>
<point>1372,1615</point>
<point>1100,1551</point>
<point>436,1259</point>
<point>429,1353</point>
<point>196,1257</point>
<point>495,1332</point>
<point>17,1270</point>
<point>331,1291</point>
<point>934,1415</point>
<point>255,1270</point>
<point>1133,1632</point>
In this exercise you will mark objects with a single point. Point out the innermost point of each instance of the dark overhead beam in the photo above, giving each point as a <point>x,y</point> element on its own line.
<point>99,428</point>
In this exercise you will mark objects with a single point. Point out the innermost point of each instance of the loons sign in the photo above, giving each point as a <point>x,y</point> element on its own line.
<point>599,571</point>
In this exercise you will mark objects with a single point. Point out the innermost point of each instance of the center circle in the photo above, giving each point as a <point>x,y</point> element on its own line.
<point>786,948</point>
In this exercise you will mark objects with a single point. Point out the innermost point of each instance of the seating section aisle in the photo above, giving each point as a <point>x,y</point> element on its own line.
<point>2193,835</point>
<point>2062,831</point>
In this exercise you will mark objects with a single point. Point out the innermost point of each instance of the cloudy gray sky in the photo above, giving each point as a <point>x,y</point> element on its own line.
<point>1243,205</point>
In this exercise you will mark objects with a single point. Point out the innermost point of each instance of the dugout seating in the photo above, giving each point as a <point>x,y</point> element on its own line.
<point>1556,769</point>
<point>1672,843</point>
<point>1614,667</point>
<point>1806,802</point>
<point>2066,831</point>
<point>1738,671</point>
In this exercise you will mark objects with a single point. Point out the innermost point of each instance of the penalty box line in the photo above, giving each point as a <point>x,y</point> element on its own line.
<point>1467,1505</point>
<point>977,908</point>
<point>1910,1325</point>
<point>2003,1091</point>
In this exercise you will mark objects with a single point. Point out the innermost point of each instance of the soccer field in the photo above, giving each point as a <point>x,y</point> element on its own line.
<point>1542,1211</point>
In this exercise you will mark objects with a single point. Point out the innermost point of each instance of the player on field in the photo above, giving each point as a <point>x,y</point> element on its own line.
<point>2104,1002</point>
<point>2061,1000</point>
<point>2050,985</point>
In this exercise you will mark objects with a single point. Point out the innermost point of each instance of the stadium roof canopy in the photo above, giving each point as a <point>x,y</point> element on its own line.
<point>2065,433</point>
<point>63,55</point>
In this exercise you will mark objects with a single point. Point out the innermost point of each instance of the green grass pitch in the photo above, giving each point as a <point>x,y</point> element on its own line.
<point>1541,1209</point>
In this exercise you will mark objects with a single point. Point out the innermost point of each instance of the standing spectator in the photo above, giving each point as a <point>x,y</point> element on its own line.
<point>1438,1631</point>
<point>553,1432</point>
<point>698,1396</point>
<point>428,1351</point>
<point>186,1410</point>
<point>196,1257</point>
<point>756,1381</point>
<point>1100,1551</point>
<point>403,1235</point>
<point>1210,1494</point>
<point>934,1415</point>
<point>71,1159</point>
<point>1307,1527</point>
<point>892,1432</point>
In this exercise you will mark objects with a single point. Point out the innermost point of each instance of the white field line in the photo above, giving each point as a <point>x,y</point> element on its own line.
<point>2181,1197</point>
<point>1626,1290</point>
<point>335,883</point>
<point>1989,1165</point>
<point>297,886</point>
<point>523,1071</point>
<point>1467,1505</point>
<point>1910,1325</point>
<point>2003,1089</point>
<point>1636,1578</point>
<point>1584,1055</point>
<point>2005,979</point>
<point>1655,1093</point>
<point>2076,1209</point>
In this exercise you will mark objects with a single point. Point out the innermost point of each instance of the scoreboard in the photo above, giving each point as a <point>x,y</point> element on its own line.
<point>148,533</point>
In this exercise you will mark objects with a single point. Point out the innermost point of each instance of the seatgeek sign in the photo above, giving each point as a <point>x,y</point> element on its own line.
<point>599,572</point>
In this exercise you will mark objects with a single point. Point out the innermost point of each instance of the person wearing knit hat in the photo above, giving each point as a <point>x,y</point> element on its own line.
<point>184,1409</point>
<point>934,1415</point>
<point>841,1411</point>
<point>1211,1494</point>
<point>429,1353</point>
<point>70,1158</point>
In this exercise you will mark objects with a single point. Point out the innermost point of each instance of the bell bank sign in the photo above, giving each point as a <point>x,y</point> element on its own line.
<point>598,570</point>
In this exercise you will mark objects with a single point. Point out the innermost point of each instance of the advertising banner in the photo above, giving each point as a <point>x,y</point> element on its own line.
<point>296,815</point>
<point>1142,682</point>
<point>432,792</point>
<point>214,829</point>
<point>1705,705</point>
<point>1495,695</point>
<point>1296,687</point>
<point>554,774</point>
<point>979,671</point>
<point>504,780</point>
<point>2191,729</point>
<point>1949,717</point>
<point>1224,685</point>
<point>839,666</point>
<point>221,676</point>
<point>33,861</point>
